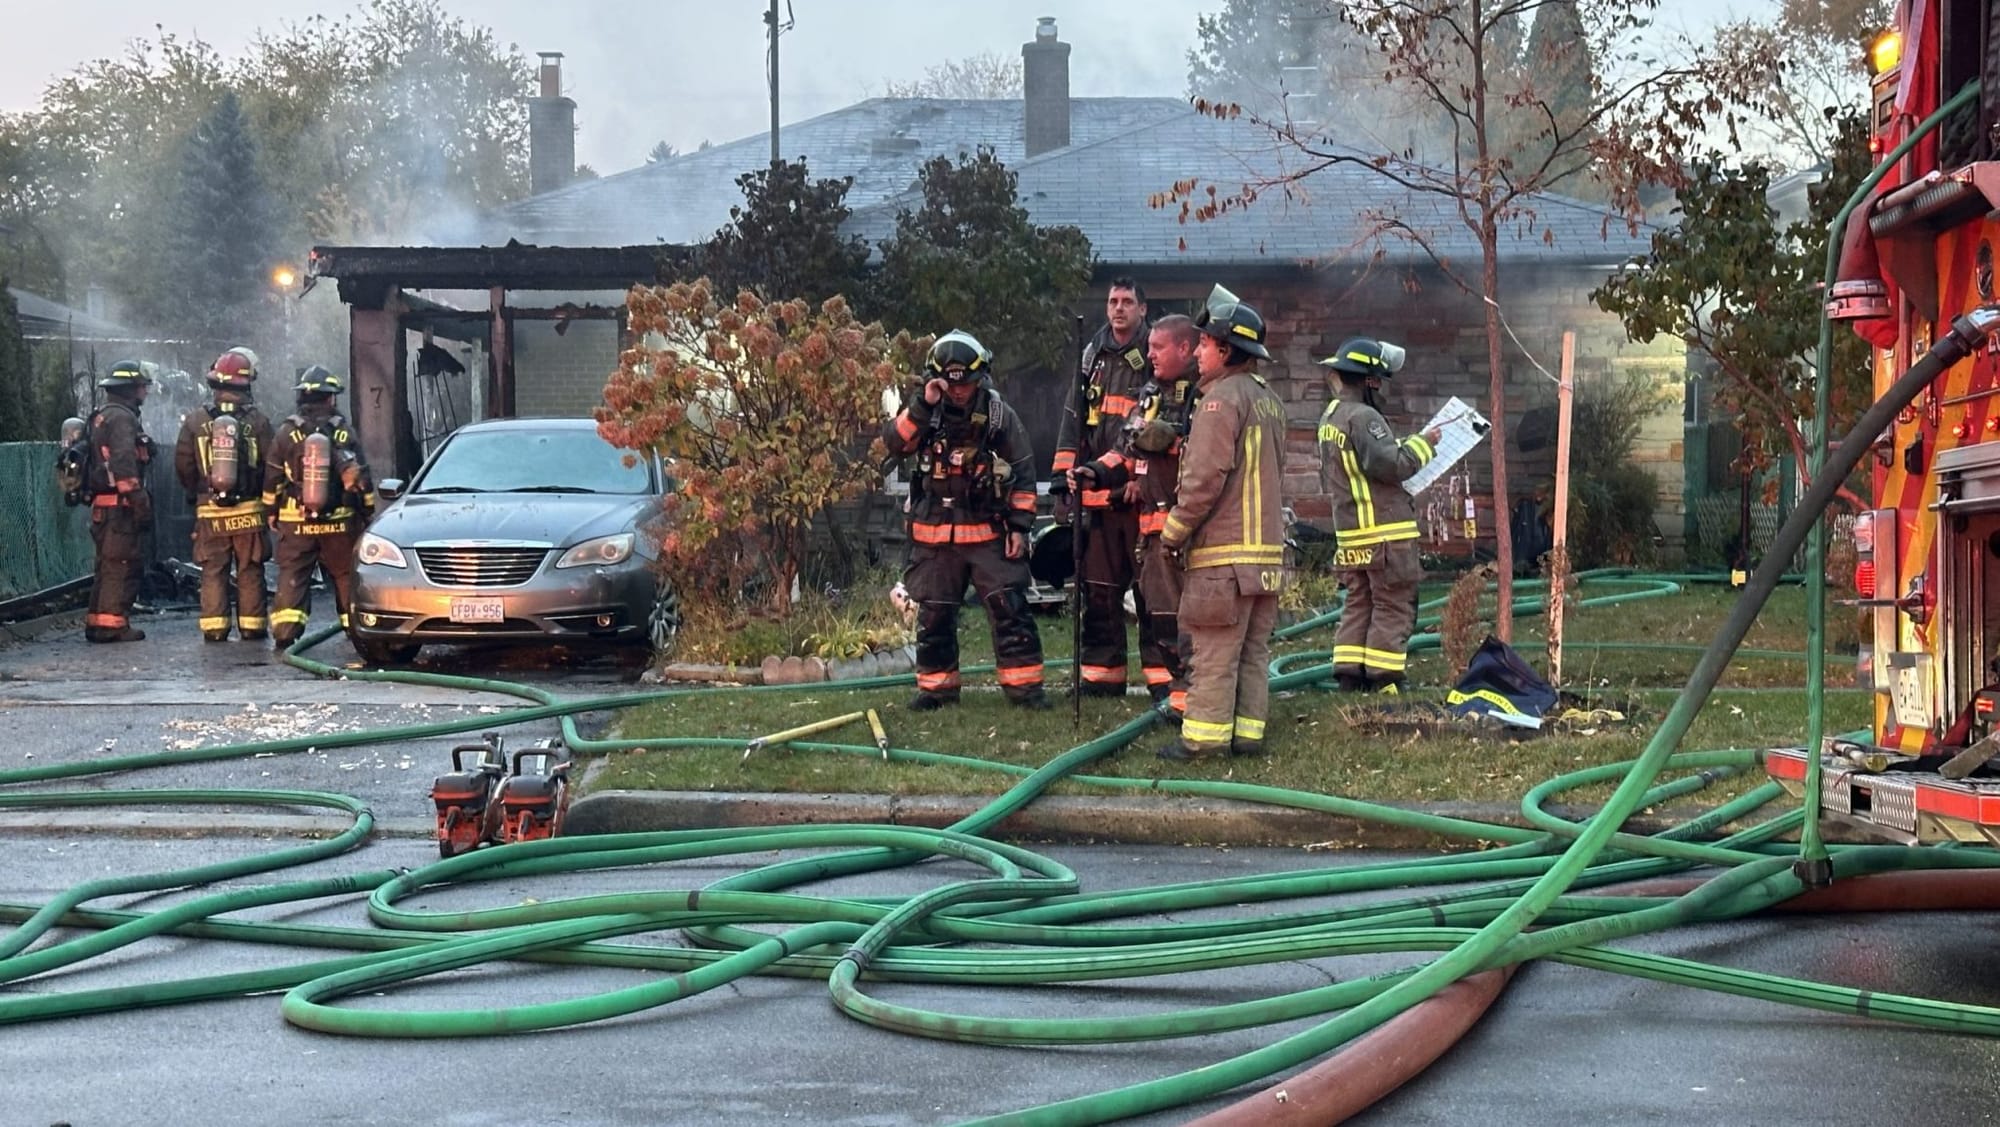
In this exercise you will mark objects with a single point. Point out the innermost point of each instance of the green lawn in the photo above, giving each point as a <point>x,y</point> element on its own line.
<point>1363,747</point>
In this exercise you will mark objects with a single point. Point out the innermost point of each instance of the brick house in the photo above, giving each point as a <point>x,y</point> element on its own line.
<point>1307,262</point>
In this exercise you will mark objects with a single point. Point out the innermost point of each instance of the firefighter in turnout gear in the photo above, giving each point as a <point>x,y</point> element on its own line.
<point>1144,471</point>
<point>320,494</point>
<point>1088,452</point>
<point>972,502</point>
<point>1228,527</point>
<point>219,458</point>
<point>1362,465</point>
<point>121,510</point>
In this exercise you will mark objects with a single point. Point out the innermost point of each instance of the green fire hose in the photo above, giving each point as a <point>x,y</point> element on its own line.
<point>1553,889</point>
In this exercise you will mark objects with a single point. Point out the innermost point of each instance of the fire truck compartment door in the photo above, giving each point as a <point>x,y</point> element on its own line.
<point>1969,478</point>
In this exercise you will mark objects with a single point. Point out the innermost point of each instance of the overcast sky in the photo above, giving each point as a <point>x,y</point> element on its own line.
<point>687,70</point>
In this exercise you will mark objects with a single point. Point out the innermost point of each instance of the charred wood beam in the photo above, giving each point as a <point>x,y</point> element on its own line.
<point>366,274</point>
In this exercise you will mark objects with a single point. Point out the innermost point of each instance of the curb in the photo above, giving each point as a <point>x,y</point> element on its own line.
<point>34,629</point>
<point>1128,821</point>
<point>1055,819</point>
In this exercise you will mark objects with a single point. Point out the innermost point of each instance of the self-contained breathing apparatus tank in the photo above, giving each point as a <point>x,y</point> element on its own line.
<point>226,458</point>
<point>71,460</point>
<point>316,475</point>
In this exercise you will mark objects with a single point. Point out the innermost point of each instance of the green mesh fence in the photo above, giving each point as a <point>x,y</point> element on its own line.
<point>42,541</point>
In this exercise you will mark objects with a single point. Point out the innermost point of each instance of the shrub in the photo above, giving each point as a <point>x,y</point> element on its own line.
<point>763,413</point>
<point>1611,500</point>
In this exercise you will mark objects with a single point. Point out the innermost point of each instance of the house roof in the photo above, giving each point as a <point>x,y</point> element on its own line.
<point>1105,189</point>
<point>42,319</point>
<point>879,142</point>
<point>1124,151</point>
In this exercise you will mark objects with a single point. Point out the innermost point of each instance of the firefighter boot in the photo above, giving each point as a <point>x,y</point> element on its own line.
<point>931,702</point>
<point>1034,699</point>
<point>114,634</point>
<point>1180,752</point>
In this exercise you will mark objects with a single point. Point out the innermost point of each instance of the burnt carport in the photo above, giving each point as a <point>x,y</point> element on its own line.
<point>376,284</point>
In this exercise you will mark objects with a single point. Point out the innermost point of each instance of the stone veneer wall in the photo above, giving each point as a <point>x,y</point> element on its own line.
<point>1445,333</point>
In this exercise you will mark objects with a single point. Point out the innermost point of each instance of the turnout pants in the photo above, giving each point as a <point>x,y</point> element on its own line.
<point>219,554</point>
<point>1162,649</point>
<point>1111,537</point>
<point>1373,640</point>
<point>936,578</point>
<point>114,579</point>
<point>1228,623</point>
<point>334,553</point>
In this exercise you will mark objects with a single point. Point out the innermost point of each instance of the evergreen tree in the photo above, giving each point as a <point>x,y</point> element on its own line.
<point>970,258</point>
<point>784,240</point>
<point>1560,62</point>
<point>225,237</point>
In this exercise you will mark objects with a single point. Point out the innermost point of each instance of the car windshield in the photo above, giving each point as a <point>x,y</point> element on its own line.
<point>533,461</point>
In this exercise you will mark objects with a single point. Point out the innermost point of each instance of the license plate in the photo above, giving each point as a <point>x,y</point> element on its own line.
<point>478,610</point>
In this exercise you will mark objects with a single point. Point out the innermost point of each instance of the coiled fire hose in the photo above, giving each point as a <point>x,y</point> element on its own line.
<point>1559,891</point>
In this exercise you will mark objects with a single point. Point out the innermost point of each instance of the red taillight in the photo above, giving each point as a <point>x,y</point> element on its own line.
<point>1864,579</point>
<point>1961,430</point>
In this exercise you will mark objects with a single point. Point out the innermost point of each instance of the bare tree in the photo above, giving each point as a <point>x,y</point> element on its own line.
<point>985,75</point>
<point>1824,47</point>
<point>1515,129</point>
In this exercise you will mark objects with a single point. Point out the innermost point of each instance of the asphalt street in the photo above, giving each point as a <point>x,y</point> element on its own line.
<point>1562,1046</point>
<point>64,701</point>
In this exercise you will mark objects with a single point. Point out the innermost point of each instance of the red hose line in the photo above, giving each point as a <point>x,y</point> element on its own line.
<point>1377,1063</point>
<point>1372,1065</point>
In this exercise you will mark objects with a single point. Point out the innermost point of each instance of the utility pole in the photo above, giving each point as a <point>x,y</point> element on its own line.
<point>776,29</point>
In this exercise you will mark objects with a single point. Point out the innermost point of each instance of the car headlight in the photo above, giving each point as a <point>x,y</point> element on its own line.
<point>603,550</point>
<point>374,549</point>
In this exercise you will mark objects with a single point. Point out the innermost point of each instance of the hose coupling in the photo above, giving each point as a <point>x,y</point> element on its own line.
<point>1972,328</point>
<point>1813,872</point>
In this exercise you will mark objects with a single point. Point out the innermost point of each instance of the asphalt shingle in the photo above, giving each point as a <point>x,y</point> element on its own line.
<point>1106,188</point>
<point>1125,151</point>
<point>879,142</point>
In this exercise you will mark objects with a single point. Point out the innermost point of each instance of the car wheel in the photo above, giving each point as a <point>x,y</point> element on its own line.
<point>386,653</point>
<point>663,621</point>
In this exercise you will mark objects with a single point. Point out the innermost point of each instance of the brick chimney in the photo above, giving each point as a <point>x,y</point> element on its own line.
<point>1045,86</point>
<point>551,131</point>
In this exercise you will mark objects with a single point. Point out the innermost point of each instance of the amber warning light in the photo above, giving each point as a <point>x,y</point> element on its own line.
<point>1885,52</point>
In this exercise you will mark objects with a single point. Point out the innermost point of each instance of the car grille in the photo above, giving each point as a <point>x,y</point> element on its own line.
<point>480,567</point>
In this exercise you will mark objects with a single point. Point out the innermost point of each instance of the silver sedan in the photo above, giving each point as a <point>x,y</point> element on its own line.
<point>516,530</point>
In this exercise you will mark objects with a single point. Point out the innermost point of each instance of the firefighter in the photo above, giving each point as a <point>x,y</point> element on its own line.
<point>320,496</point>
<point>121,510</point>
<point>1143,471</point>
<point>1227,526</point>
<point>1114,368</point>
<point>1362,465</point>
<point>972,502</point>
<point>219,459</point>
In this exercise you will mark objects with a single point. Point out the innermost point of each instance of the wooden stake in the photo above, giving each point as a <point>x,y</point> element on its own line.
<point>1565,396</point>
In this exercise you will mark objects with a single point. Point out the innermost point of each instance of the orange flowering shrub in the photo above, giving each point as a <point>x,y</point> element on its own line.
<point>764,412</point>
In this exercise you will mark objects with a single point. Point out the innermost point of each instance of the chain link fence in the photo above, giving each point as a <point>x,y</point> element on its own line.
<point>45,542</point>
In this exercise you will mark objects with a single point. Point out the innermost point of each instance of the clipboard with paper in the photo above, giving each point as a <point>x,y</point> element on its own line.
<point>1460,427</point>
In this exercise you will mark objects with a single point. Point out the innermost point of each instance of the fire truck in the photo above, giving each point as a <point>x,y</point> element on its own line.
<point>1916,257</point>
